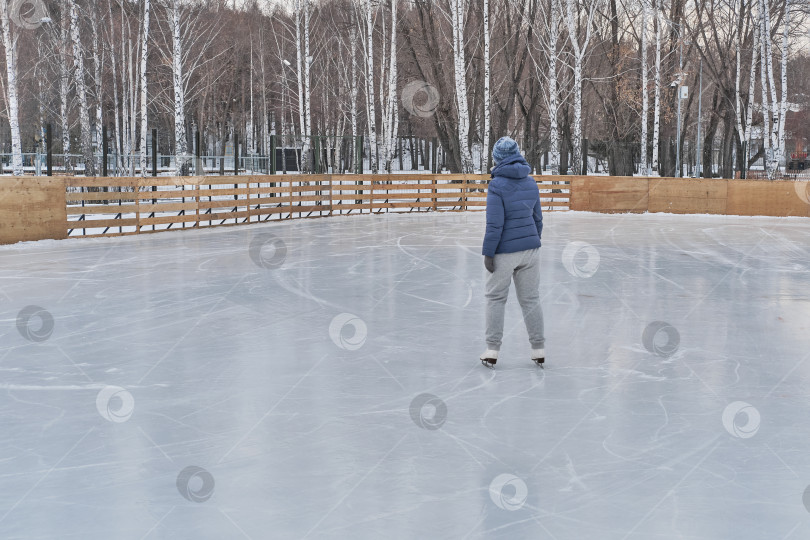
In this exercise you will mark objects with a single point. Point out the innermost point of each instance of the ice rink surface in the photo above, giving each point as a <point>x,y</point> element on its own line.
<point>319,379</point>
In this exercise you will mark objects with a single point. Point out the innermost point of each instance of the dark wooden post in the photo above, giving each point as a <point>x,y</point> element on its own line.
<point>105,150</point>
<point>235,154</point>
<point>584,157</point>
<point>49,150</point>
<point>358,165</point>
<point>154,152</point>
<point>272,154</point>
<point>197,154</point>
<point>316,154</point>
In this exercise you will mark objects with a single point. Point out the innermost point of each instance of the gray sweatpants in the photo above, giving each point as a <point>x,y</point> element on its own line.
<point>525,267</point>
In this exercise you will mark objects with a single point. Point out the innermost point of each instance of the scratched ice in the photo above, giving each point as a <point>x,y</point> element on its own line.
<point>319,379</point>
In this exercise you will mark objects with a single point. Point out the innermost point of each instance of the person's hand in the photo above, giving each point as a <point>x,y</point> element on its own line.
<point>489,264</point>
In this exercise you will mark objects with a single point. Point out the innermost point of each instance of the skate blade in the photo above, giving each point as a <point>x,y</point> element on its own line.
<point>489,362</point>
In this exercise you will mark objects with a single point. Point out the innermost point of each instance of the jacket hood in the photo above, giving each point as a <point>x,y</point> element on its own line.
<point>512,167</point>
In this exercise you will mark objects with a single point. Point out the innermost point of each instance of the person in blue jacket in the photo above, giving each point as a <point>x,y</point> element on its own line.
<point>511,249</point>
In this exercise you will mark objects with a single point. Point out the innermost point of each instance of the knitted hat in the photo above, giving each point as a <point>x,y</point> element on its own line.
<point>504,148</point>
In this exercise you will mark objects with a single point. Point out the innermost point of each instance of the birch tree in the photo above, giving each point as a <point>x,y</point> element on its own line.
<point>548,41</point>
<point>579,50</point>
<point>645,100</point>
<point>460,77</point>
<point>487,103</point>
<point>303,64</point>
<point>657,106</point>
<point>143,83</point>
<point>98,62</point>
<point>784,101</point>
<point>64,82</point>
<point>180,141</point>
<point>185,47</point>
<point>354,87</point>
<point>763,52</point>
<point>773,124</point>
<point>752,79</point>
<point>391,110</point>
<point>10,45</point>
<point>370,109</point>
<point>114,80</point>
<point>81,91</point>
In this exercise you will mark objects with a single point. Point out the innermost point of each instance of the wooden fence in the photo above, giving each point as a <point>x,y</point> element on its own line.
<point>616,194</point>
<point>122,206</point>
<point>34,208</point>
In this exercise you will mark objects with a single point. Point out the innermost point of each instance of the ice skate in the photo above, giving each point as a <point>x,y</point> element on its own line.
<point>489,358</point>
<point>539,356</point>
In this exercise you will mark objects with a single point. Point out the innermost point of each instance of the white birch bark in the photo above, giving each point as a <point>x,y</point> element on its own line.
<point>265,140</point>
<point>180,136</point>
<point>487,97</point>
<point>579,52</point>
<point>113,65</point>
<point>774,125</point>
<point>645,98</point>
<point>98,60</point>
<point>302,75</point>
<point>129,114</point>
<point>657,113</point>
<point>307,66</point>
<point>143,83</point>
<point>784,101</point>
<point>371,114</point>
<point>130,101</point>
<point>249,131</point>
<point>354,86</point>
<point>64,83</point>
<point>459,72</point>
<point>125,56</point>
<point>738,70</point>
<point>299,67</point>
<point>10,45</point>
<point>752,78</point>
<point>391,109</point>
<point>554,31</point>
<point>81,91</point>
<point>766,139</point>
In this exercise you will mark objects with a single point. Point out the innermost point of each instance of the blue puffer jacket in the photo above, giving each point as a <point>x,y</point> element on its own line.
<point>514,216</point>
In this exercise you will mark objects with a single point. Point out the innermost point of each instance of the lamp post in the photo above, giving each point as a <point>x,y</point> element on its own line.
<point>682,92</point>
<point>698,157</point>
<point>680,96</point>
<point>287,92</point>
